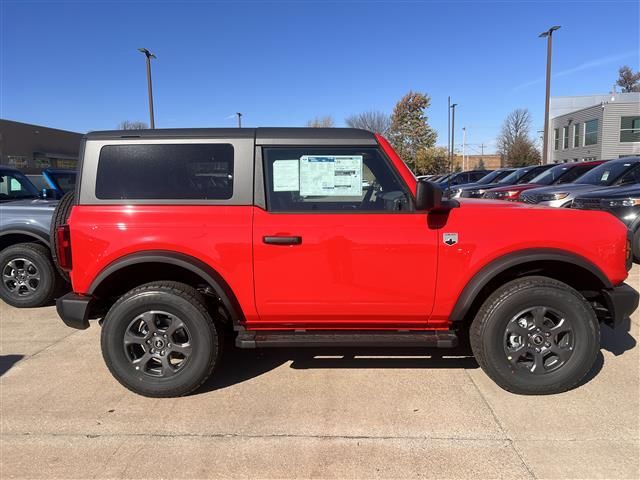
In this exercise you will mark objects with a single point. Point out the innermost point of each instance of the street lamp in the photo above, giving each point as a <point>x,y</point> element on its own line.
<point>239,119</point>
<point>453,134</point>
<point>149,56</point>
<point>545,141</point>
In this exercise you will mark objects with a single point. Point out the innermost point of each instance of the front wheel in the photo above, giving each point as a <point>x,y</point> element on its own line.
<point>158,340</point>
<point>536,335</point>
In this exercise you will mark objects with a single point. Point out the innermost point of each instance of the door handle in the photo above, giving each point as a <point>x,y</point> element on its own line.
<point>282,240</point>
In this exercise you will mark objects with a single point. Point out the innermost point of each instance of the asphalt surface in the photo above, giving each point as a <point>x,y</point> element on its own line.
<point>296,413</point>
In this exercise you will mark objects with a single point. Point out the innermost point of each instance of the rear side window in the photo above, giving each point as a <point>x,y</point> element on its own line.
<point>164,172</point>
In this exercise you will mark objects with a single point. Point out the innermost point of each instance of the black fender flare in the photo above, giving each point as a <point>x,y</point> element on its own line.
<point>192,264</point>
<point>33,233</point>
<point>501,264</point>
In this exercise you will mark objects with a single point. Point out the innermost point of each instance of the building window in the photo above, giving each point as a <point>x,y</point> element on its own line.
<point>565,137</point>
<point>576,135</point>
<point>43,162</point>
<point>17,161</point>
<point>591,132</point>
<point>556,138</point>
<point>630,129</point>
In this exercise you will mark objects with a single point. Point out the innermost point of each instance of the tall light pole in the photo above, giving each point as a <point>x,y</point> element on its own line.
<point>149,56</point>
<point>453,132</point>
<point>464,144</point>
<point>239,119</point>
<point>449,132</point>
<point>545,139</point>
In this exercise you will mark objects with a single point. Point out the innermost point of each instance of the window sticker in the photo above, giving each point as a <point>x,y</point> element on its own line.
<point>331,175</point>
<point>605,176</point>
<point>286,176</point>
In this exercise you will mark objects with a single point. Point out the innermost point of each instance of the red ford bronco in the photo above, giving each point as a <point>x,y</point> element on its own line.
<point>322,237</point>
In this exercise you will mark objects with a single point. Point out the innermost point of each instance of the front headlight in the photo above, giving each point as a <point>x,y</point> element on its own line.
<point>620,202</point>
<point>456,192</point>
<point>508,194</point>
<point>549,197</point>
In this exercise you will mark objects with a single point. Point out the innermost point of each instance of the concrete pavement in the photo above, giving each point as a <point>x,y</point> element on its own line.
<point>298,413</point>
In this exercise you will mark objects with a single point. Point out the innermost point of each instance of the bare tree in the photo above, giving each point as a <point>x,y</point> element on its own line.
<point>377,122</point>
<point>629,81</point>
<point>132,125</point>
<point>321,122</point>
<point>514,141</point>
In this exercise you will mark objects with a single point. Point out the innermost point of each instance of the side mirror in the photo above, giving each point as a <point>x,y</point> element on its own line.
<point>428,196</point>
<point>48,193</point>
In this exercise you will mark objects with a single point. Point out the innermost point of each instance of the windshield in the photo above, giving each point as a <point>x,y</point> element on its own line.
<point>605,174</point>
<point>513,177</point>
<point>38,181</point>
<point>493,177</point>
<point>15,186</point>
<point>65,181</point>
<point>561,174</point>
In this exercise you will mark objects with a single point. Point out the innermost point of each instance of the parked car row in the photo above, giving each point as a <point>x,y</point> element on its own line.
<point>608,185</point>
<point>27,203</point>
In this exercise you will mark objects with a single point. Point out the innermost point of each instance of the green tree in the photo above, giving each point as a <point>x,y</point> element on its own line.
<point>431,160</point>
<point>514,142</point>
<point>629,81</point>
<point>410,132</point>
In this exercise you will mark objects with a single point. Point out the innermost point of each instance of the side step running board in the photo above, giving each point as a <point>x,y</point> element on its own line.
<point>348,338</point>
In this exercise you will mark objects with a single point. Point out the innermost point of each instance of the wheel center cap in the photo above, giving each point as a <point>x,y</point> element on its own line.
<point>537,339</point>
<point>158,343</point>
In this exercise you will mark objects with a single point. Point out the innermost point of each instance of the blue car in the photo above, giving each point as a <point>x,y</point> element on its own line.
<point>54,182</point>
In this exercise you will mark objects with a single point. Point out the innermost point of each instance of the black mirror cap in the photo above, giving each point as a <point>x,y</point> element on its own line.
<point>428,196</point>
<point>49,194</point>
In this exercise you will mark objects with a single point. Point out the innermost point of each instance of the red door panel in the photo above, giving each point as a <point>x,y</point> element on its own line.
<point>345,271</point>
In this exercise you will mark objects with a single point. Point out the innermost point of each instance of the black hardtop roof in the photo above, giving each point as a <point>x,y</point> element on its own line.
<point>263,135</point>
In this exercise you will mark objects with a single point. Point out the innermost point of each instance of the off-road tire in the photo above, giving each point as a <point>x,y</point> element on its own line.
<point>60,217</point>
<point>185,303</point>
<point>487,335</point>
<point>48,285</point>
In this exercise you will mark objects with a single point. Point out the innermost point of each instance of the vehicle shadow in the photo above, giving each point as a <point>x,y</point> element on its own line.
<point>8,361</point>
<point>238,365</point>
<point>619,340</point>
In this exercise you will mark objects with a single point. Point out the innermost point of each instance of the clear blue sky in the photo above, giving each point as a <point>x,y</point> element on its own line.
<point>74,64</point>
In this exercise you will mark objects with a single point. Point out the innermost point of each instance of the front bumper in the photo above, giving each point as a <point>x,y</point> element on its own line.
<point>621,301</point>
<point>74,310</point>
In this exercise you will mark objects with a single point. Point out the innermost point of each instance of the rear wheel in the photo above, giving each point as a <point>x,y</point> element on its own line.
<point>28,276</point>
<point>536,335</point>
<point>60,217</point>
<point>635,245</point>
<point>158,340</point>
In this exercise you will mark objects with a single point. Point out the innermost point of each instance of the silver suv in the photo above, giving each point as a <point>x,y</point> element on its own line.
<point>623,171</point>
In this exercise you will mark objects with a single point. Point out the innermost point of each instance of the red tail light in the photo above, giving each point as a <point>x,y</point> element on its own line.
<point>63,247</point>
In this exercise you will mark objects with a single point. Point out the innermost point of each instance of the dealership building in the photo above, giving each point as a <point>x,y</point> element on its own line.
<point>594,127</point>
<point>32,148</point>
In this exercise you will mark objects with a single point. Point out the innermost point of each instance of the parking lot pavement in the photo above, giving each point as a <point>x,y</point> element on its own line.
<point>298,413</point>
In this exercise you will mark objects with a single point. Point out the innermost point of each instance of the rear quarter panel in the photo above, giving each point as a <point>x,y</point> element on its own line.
<point>217,235</point>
